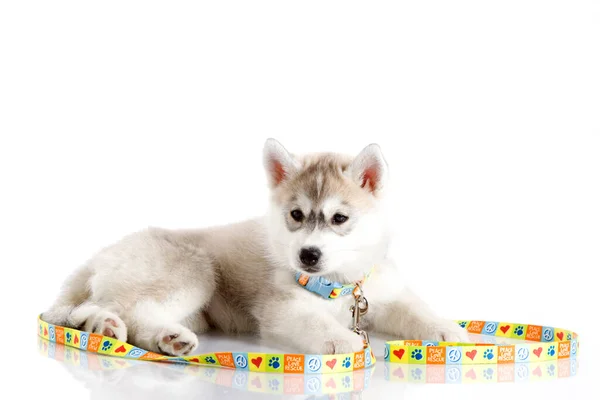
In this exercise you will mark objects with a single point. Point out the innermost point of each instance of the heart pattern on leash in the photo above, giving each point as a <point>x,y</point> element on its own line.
<point>257,361</point>
<point>399,353</point>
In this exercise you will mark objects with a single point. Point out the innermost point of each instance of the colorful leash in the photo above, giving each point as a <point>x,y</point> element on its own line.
<point>259,382</point>
<point>327,384</point>
<point>540,343</point>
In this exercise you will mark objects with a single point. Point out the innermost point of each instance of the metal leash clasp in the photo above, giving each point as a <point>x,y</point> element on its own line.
<point>360,308</point>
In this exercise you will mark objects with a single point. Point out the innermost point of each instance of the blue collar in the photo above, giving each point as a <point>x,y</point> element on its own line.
<point>326,288</point>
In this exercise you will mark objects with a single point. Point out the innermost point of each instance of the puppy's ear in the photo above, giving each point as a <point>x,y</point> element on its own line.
<point>369,169</point>
<point>278,162</point>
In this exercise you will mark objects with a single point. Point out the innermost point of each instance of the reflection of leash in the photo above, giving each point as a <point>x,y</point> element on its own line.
<point>481,373</point>
<point>536,343</point>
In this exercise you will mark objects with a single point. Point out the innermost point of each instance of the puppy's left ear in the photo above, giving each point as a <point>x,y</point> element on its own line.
<point>278,162</point>
<point>369,169</point>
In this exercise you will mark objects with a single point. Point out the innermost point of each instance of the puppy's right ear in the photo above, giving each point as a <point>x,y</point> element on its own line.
<point>279,163</point>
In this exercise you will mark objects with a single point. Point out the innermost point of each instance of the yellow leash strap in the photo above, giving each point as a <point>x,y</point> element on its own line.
<point>326,384</point>
<point>535,343</point>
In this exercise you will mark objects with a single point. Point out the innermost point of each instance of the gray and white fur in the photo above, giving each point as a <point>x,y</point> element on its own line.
<point>159,288</point>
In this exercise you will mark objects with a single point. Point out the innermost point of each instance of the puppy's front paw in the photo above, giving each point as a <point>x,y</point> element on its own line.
<point>177,341</point>
<point>446,331</point>
<point>352,344</point>
<point>108,324</point>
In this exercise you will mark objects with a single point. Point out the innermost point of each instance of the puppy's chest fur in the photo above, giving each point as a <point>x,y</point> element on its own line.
<point>248,279</point>
<point>338,309</point>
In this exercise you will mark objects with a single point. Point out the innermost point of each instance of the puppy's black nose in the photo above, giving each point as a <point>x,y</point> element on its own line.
<point>310,256</point>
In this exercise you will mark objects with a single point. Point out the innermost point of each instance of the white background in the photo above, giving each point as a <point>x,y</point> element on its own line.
<point>118,115</point>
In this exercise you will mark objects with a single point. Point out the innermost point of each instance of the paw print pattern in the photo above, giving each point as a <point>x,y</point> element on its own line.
<point>488,373</point>
<point>69,337</point>
<point>417,354</point>
<point>416,373</point>
<point>551,351</point>
<point>346,363</point>
<point>346,382</point>
<point>274,362</point>
<point>463,324</point>
<point>106,345</point>
<point>210,359</point>
<point>551,369</point>
<point>274,384</point>
<point>519,330</point>
<point>488,354</point>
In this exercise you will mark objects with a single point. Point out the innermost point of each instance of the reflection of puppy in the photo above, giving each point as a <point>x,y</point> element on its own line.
<point>143,380</point>
<point>157,288</point>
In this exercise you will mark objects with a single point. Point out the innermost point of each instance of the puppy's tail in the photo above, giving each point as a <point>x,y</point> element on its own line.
<point>75,290</point>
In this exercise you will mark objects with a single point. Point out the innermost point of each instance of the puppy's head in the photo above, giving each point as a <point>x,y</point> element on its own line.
<point>325,216</point>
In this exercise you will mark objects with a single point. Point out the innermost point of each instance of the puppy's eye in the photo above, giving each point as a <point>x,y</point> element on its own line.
<point>339,219</point>
<point>297,215</point>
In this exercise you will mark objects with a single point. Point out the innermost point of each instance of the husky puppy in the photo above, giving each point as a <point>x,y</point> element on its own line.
<point>158,288</point>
